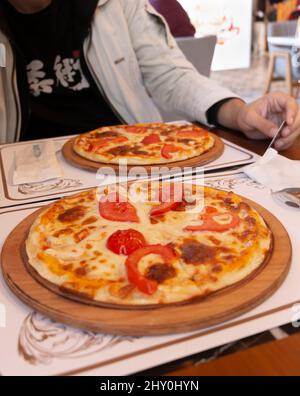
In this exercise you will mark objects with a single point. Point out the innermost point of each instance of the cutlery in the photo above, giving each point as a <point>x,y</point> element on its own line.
<point>277,134</point>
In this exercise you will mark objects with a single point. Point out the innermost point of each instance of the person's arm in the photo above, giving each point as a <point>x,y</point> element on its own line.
<point>260,119</point>
<point>176,86</point>
<point>172,81</point>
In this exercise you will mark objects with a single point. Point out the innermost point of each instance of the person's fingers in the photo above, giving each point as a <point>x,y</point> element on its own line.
<point>281,102</point>
<point>286,132</point>
<point>296,124</point>
<point>285,142</point>
<point>263,125</point>
<point>291,110</point>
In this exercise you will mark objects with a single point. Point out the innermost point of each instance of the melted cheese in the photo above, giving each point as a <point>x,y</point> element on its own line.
<point>137,153</point>
<point>85,266</point>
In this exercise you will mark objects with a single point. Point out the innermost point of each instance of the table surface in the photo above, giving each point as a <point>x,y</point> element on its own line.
<point>272,358</point>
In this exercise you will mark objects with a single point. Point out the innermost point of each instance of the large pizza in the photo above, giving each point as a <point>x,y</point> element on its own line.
<point>144,144</point>
<point>147,244</point>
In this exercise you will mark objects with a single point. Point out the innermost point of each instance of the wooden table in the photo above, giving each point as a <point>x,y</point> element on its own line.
<point>273,358</point>
<point>259,146</point>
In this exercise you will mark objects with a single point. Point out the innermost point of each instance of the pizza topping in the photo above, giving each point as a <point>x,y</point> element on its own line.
<point>186,141</point>
<point>217,269</point>
<point>168,149</point>
<point>81,235</point>
<point>125,291</point>
<point>170,197</point>
<point>81,271</point>
<point>214,221</point>
<point>120,150</point>
<point>214,240</point>
<point>135,129</point>
<point>151,139</point>
<point>64,231</point>
<point>89,220</point>
<point>144,285</point>
<point>118,210</point>
<point>163,208</point>
<point>72,214</point>
<point>125,241</point>
<point>194,133</point>
<point>137,151</point>
<point>160,272</point>
<point>97,145</point>
<point>107,134</point>
<point>251,221</point>
<point>196,253</point>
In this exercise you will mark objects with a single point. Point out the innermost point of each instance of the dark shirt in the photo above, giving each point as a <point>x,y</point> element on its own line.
<point>63,97</point>
<point>177,18</point>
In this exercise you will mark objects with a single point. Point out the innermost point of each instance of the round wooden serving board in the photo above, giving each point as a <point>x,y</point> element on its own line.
<point>76,160</point>
<point>176,318</point>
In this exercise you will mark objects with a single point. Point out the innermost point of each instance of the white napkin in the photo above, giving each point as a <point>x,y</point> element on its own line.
<point>34,165</point>
<point>274,171</point>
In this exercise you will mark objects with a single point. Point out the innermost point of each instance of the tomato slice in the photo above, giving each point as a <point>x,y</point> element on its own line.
<point>94,147</point>
<point>210,210</point>
<point>151,139</point>
<point>163,208</point>
<point>194,133</point>
<point>168,149</point>
<point>135,129</point>
<point>218,222</point>
<point>118,210</point>
<point>170,198</point>
<point>143,284</point>
<point>125,241</point>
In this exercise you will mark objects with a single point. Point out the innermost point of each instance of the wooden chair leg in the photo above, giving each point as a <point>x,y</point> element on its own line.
<point>289,74</point>
<point>270,73</point>
<point>296,90</point>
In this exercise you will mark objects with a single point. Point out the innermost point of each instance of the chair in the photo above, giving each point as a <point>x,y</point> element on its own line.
<point>200,52</point>
<point>280,63</point>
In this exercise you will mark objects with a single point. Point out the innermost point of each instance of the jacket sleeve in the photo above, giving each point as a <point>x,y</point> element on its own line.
<point>171,80</point>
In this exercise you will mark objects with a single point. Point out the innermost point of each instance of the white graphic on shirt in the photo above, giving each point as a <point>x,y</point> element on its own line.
<point>69,74</point>
<point>35,79</point>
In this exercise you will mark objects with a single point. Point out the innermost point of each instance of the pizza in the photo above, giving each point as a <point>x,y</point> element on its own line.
<point>144,144</point>
<point>147,245</point>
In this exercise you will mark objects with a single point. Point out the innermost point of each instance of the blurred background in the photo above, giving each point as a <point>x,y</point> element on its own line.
<point>256,45</point>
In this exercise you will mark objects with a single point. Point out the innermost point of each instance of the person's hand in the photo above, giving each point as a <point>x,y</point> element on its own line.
<point>261,119</point>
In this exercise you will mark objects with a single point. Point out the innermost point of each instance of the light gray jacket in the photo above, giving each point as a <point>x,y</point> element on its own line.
<point>136,64</point>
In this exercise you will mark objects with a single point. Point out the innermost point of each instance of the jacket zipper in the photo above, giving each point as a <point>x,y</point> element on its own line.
<point>99,86</point>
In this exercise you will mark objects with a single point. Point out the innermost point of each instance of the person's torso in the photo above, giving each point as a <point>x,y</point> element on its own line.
<point>63,96</point>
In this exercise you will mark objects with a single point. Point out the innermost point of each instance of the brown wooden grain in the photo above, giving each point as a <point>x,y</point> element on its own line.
<point>257,146</point>
<point>215,309</point>
<point>276,358</point>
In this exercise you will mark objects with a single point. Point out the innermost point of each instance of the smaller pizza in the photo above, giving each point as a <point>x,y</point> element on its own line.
<point>144,144</point>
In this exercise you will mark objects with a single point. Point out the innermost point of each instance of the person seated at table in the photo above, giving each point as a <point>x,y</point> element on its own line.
<point>73,66</point>
<point>176,16</point>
